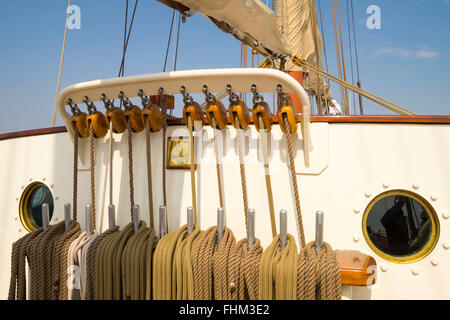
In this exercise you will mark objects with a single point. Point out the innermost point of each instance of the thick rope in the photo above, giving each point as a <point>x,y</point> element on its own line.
<point>203,264</point>
<point>278,271</point>
<point>294,181</point>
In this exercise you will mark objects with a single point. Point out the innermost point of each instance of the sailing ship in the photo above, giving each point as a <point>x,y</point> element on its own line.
<point>372,188</point>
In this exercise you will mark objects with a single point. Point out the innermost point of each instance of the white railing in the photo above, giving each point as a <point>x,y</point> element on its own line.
<point>241,80</point>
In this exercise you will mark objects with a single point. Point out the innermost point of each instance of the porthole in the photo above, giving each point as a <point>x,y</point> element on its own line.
<point>30,207</point>
<point>401,226</point>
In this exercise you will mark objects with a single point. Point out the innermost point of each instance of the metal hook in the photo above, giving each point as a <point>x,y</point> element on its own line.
<point>209,97</point>
<point>90,105</point>
<point>144,99</point>
<point>187,99</point>
<point>282,97</point>
<point>73,107</point>
<point>256,96</point>
<point>109,104</point>
<point>234,98</point>
<point>124,100</point>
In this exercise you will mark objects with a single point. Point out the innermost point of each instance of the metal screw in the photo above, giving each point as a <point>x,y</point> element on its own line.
<point>356,238</point>
<point>385,185</point>
<point>384,268</point>
<point>367,194</point>
<point>415,186</point>
<point>434,197</point>
<point>415,271</point>
<point>356,210</point>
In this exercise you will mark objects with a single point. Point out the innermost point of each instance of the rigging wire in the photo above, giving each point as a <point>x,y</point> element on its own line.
<point>176,45</point>
<point>346,106</point>
<point>357,59</point>
<point>351,54</point>
<point>122,65</point>
<point>168,42</point>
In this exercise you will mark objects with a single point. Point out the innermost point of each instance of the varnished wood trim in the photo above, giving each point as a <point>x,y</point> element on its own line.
<point>34,132</point>
<point>329,119</point>
<point>358,119</point>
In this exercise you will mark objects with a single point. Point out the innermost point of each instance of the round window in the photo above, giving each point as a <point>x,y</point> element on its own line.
<point>400,226</point>
<point>30,208</point>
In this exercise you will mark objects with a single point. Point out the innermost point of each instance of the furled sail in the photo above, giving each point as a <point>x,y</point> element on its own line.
<point>293,30</point>
<point>297,21</point>
<point>250,21</point>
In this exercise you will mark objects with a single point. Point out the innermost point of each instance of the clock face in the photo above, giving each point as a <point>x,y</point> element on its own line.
<point>178,151</point>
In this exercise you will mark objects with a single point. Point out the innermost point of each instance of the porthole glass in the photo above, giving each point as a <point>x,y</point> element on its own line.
<point>30,209</point>
<point>400,226</point>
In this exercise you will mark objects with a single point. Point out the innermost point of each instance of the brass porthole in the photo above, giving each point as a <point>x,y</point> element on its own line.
<point>30,206</point>
<point>400,226</point>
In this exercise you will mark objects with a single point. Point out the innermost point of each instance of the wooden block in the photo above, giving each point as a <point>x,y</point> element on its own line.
<point>356,268</point>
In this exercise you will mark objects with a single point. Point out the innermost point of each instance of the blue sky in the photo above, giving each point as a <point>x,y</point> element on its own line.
<point>406,61</point>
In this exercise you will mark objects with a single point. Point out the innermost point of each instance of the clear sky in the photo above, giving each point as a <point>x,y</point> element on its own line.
<point>407,61</point>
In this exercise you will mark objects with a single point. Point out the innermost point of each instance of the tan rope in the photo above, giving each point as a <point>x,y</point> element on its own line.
<point>383,102</point>
<point>202,262</point>
<point>264,139</point>
<point>58,85</point>
<point>149,172</point>
<point>242,169</point>
<point>164,155</point>
<point>111,154</point>
<point>75,174</point>
<point>218,163</point>
<point>192,168</point>
<point>294,181</point>
<point>92,171</point>
<point>130,166</point>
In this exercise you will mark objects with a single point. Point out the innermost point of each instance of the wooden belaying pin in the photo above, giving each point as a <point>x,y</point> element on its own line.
<point>45,216</point>
<point>136,217</point>
<point>67,215</point>
<point>89,228</point>
<point>111,216</point>
<point>220,224</point>
<point>319,230</point>
<point>251,228</point>
<point>162,221</point>
<point>190,220</point>
<point>283,228</point>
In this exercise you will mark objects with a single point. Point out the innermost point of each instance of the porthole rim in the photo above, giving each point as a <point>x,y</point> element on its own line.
<point>435,227</point>
<point>25,219</point>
